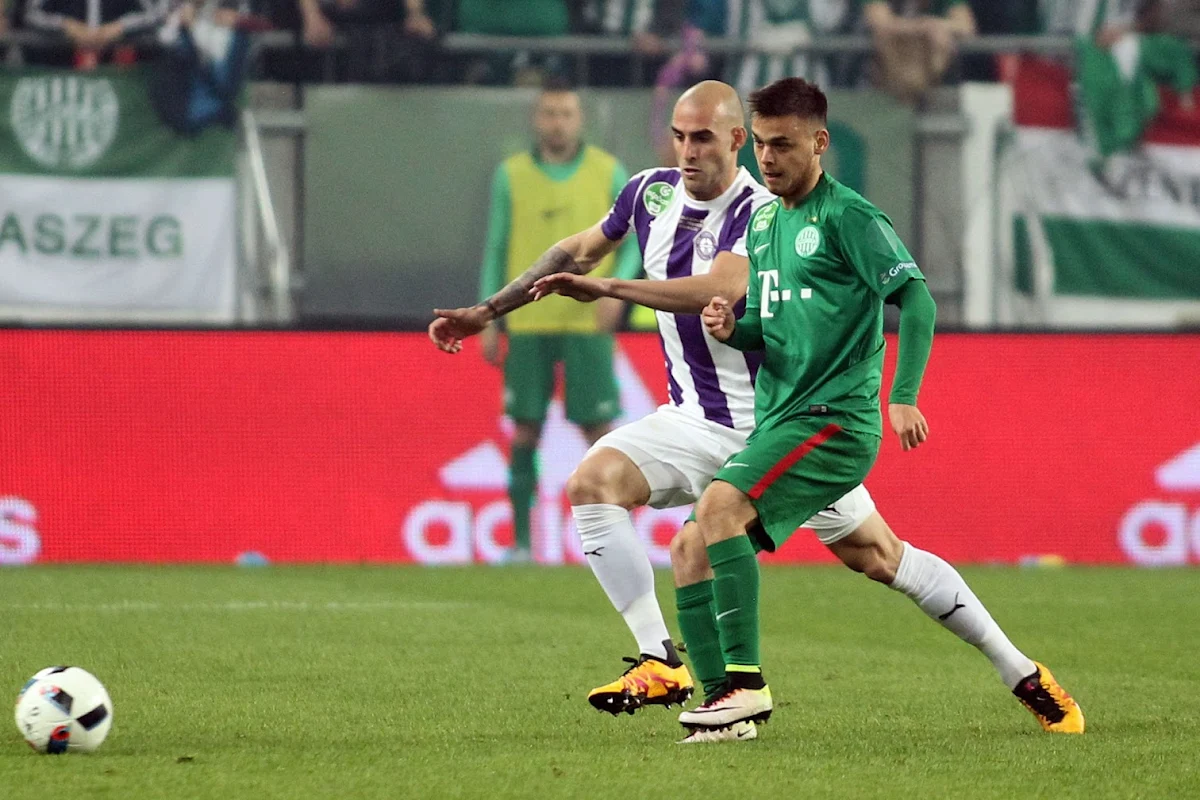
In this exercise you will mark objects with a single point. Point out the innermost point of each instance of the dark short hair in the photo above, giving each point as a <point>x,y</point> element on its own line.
<point>790,97</point>
<point>556,84</point>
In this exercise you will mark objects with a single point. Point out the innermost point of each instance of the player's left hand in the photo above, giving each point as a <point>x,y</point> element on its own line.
<point>455,324</point>
<point>718,319</point>
<point>576,287</point>
<point>909,424</point>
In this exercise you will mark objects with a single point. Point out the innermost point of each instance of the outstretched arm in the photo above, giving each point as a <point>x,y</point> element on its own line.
<point>577,254</point>
<point>726,278</point>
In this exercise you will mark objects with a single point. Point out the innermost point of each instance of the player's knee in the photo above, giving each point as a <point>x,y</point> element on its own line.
<point>689,557</point>
<point>599,480</point>
<point>708,510</point>
<point>722,511</point>
<point>584,487</point>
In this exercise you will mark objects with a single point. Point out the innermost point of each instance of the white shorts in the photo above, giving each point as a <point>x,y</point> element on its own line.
<point>678,454</point>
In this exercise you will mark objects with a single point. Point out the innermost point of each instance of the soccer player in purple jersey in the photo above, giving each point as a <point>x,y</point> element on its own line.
<point>687,221</point>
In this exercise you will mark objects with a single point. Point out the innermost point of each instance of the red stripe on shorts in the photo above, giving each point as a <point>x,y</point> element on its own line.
<point>785,463</point>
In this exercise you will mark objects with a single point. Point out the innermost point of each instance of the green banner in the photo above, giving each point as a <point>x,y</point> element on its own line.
<point>100,124</point>
<point>105,212</point>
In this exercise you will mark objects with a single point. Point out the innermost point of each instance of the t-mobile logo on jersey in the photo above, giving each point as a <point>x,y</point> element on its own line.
<point>772,293</point>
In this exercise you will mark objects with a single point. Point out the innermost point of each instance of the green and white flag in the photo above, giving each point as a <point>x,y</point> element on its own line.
<point>1099,242</point>
<point>105,213</point>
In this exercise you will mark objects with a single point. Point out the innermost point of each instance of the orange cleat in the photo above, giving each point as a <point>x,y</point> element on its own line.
<point>1056,710</point>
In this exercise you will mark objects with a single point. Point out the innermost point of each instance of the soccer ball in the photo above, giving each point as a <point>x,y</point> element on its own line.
<point>64,709</point>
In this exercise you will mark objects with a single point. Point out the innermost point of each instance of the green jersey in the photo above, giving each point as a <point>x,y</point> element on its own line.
<point>819,274</point>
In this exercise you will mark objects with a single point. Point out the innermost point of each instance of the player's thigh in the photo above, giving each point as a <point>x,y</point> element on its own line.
<point>795,470</point>
<point>677,454</point>
<point>592,393</point>
<point>529,370</point>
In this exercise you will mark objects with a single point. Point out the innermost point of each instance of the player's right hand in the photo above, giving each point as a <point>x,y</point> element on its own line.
<point>718,319</point>
<point>455,324</point>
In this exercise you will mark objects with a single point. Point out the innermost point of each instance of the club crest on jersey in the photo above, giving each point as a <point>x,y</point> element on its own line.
<point>762,219</point>
<point>657,197</point>
<point>706,245</point>
<point>807,241</point>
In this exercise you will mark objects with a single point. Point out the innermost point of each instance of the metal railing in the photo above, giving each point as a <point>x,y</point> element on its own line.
<point>581,48</point>
<point>616,45</point>
<point>825,45</point>
<point>266,282</point>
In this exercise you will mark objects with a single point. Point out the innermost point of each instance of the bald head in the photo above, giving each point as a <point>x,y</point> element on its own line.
<point>709,128</point>
<point>717,100</point>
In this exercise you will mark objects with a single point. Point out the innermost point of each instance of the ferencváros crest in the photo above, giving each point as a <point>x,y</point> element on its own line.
<point>64,121</point>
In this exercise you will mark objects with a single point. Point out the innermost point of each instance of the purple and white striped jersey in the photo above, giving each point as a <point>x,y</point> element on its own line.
<point>680,236</point>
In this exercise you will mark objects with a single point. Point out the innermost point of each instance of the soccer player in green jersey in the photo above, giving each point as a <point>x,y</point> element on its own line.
<point>823,261</point>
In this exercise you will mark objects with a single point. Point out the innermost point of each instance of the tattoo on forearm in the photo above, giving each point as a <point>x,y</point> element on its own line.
<point>516,294</point>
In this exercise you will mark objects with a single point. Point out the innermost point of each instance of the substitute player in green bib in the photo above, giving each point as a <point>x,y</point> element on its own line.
<point>823,261</point>
<point>540,197</point>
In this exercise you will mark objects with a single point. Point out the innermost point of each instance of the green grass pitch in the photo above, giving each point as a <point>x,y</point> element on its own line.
<point>326,682</point>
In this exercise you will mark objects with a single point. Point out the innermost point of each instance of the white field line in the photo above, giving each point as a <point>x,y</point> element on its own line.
<point>243,605</point>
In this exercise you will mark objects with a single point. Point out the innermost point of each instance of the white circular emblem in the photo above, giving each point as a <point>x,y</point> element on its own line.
<point>706,245</point>
<point>807,241</point>
<point>64,121</point>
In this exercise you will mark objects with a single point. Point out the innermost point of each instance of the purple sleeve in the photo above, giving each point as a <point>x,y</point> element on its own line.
<point>620,216</point>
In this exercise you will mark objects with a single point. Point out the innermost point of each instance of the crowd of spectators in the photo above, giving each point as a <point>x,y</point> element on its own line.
<point>915,43</point>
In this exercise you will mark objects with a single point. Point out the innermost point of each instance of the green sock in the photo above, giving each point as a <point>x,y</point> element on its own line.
<point>735,590</point>
<point>522,485</point>
<point>698,624</point>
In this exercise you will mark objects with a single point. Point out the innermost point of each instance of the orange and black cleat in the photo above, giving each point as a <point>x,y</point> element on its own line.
<point>648,681</point>
<point>1056,710</point>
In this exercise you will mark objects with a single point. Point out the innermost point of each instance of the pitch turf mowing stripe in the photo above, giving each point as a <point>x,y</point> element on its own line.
<point>243,605</point>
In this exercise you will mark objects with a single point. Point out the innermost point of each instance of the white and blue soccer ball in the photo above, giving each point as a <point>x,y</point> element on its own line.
<point>64,710</point>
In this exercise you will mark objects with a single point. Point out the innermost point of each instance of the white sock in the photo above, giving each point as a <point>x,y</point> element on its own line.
<point>619,561</point>
<point>941,593</point>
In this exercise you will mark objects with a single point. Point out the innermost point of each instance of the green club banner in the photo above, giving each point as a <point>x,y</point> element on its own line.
<point>106,213</point>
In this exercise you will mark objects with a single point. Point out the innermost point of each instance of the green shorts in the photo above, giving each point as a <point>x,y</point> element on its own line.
<point>795,469</point>
<point>591,386</point>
